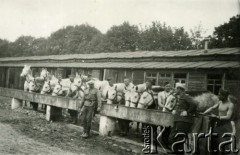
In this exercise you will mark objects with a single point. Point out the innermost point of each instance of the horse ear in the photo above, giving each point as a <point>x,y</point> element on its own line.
<point>99,88</point>
<point>77,75</point>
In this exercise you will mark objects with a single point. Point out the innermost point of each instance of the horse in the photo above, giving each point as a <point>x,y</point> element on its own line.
<point>27,74</point>
<point>44,75</point>
<point>203,101</point>
<point>145,101</point>
<point>34,87</point>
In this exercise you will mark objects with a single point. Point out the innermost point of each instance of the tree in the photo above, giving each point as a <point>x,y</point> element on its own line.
<point>4,45</point>
<point>123,37</point>
<point>72,39</point>
<point>227,35</point>
<point>181,40</point>
<point>22,46</point>
<point>197,36</point>
<point>156,37</point>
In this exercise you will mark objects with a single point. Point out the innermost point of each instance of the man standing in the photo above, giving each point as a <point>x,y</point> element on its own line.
<point>153,131</point>
<point>128,85</point>
<point>124,124</point>
<point>91,99</point>
<point>162,96</point>
<point>162,99</point>
<point>182,115</point>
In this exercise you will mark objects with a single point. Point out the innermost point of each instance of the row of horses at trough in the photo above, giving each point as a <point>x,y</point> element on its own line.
<point>137,97</point>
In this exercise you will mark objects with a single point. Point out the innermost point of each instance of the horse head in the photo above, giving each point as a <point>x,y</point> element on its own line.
<point>47,88</point>
<point>33,86</point>
<point>170,102</point>
<point>146,100</point>
<point>111,95</point>
<point>44,74</point>
<point>134,98</point>
<point>26,71</point>
<point>58,90</point>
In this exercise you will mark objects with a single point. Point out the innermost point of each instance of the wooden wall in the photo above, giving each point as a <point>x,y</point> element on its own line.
<point>13,78</point>
<point>197,81</point>
<point>2,77</point>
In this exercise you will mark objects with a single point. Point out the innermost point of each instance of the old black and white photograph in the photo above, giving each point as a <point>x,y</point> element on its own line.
<point>119,77</point>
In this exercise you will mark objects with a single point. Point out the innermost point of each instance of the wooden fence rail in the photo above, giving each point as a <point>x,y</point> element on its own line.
<point>57,101</point>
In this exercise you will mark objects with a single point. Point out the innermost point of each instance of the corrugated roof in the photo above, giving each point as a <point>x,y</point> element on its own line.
<point>138,54</point>
<point>136,65</point>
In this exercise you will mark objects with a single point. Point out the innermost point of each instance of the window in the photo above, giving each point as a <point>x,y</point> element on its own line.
<point>152,76</point>
<point>233,76</point>
<point>214,82</point>
<point>180,78</point>
<point>68,73</point>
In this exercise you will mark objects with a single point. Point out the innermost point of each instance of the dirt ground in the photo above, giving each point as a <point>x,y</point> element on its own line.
<point>27,132</point>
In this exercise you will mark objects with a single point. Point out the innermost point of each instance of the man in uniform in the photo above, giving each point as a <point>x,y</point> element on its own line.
<point>182,115</point>
<point>91,99</point>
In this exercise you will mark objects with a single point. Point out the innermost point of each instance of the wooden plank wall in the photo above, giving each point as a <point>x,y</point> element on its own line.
<point>2,77</point>
<point>234,87</point>
<point>197,81</point>
<point>138,77</point>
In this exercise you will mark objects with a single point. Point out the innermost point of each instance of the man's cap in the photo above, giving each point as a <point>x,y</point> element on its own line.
<point>109,78</point>
<point>181,85</point>
<point>91,82</point>
<point>150,81</point>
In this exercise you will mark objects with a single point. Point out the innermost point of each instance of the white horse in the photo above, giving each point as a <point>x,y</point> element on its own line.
<point>27,74</point>
<point>44,75</point>
<point>76,89</point>
<point>146,100</point>
<point>204,101</point>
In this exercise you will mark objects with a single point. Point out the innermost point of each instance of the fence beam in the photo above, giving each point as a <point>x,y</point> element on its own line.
<point>61,102</point>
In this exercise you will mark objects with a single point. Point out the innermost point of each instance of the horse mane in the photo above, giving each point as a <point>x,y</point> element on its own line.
<point>205,101</point>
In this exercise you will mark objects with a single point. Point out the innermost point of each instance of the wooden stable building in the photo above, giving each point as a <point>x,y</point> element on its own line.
<point>201,70</point>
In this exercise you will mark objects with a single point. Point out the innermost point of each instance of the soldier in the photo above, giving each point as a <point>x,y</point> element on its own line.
<point>182,113</point>
<point>91,99</point>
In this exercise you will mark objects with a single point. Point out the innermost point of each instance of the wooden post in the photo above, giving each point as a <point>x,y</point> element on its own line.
<point>106,126</point>
<point>48,113</point>
<point>16,103</point>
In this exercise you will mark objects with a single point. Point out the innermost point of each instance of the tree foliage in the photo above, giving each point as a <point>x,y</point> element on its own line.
<point>125,37</point>
<point>227,34</point>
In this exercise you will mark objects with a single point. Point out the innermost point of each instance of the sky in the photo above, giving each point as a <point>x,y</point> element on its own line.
<point>40,18</point>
